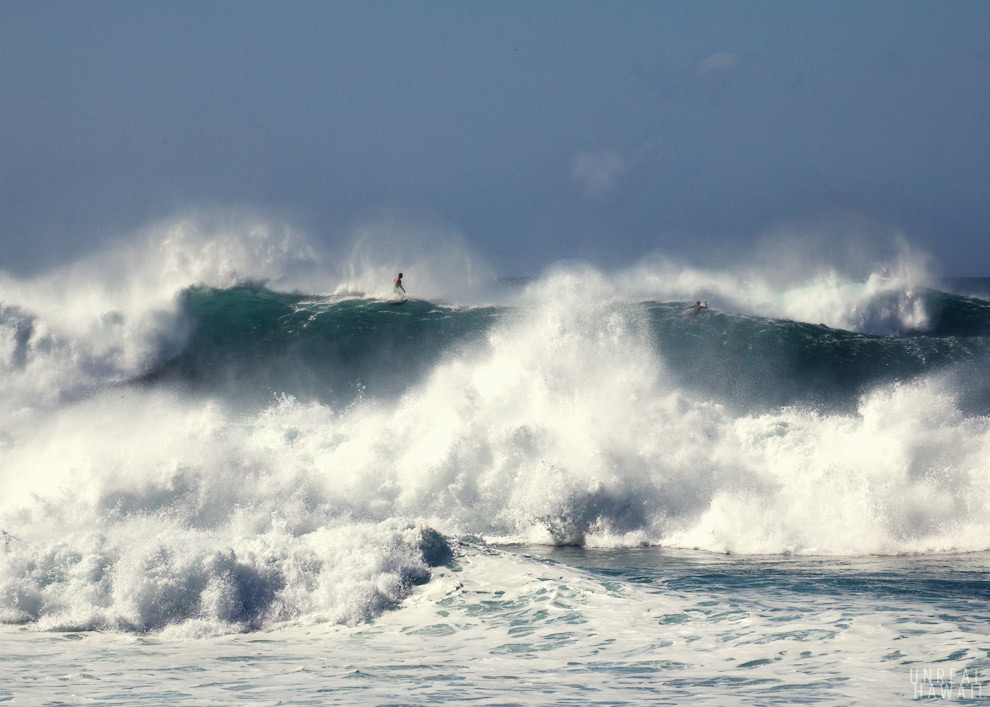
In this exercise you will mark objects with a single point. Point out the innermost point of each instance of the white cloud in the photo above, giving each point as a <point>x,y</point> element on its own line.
<point>717,63</point>
<point>600,171</point>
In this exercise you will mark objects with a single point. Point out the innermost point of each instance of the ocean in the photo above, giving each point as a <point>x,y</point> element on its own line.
<point>232,472</point>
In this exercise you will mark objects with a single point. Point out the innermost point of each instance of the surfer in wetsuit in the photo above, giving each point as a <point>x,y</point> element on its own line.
<point>698,307</point>
<point>398,284</point>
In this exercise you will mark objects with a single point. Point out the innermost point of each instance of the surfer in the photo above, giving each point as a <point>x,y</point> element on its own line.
<point>398,284</point>
<point>698,307</point>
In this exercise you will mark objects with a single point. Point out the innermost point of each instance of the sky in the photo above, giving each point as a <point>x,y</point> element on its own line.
<point>543,131</point>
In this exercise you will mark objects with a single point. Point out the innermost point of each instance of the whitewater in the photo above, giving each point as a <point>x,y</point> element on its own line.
<point>232,470</point>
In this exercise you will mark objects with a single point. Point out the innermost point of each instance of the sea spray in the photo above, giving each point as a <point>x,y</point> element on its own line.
<point>117,314</point>
<point>889,297</point>
<point>438,261</point>
<point>902,475</point>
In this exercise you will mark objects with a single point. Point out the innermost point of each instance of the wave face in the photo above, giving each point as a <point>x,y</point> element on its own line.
<point>327,348</point>
<point>203,455</point>
<point>255,342</point>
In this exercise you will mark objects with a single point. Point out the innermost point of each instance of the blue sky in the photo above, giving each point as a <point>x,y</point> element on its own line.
<point>542,131</point>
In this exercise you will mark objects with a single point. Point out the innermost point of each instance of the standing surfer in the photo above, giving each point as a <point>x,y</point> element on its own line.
<point>398,284</point>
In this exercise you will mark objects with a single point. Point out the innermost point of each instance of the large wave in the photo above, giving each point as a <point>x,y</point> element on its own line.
<point>185,449</point>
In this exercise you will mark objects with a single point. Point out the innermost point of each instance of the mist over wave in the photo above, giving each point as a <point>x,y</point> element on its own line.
<point>210,431</point>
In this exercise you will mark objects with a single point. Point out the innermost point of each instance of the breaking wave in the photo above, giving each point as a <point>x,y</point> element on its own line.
<point>209,443</point>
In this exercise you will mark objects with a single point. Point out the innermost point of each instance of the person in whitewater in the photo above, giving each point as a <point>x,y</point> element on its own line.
<point>698,307</point>
<point>398,284</point>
